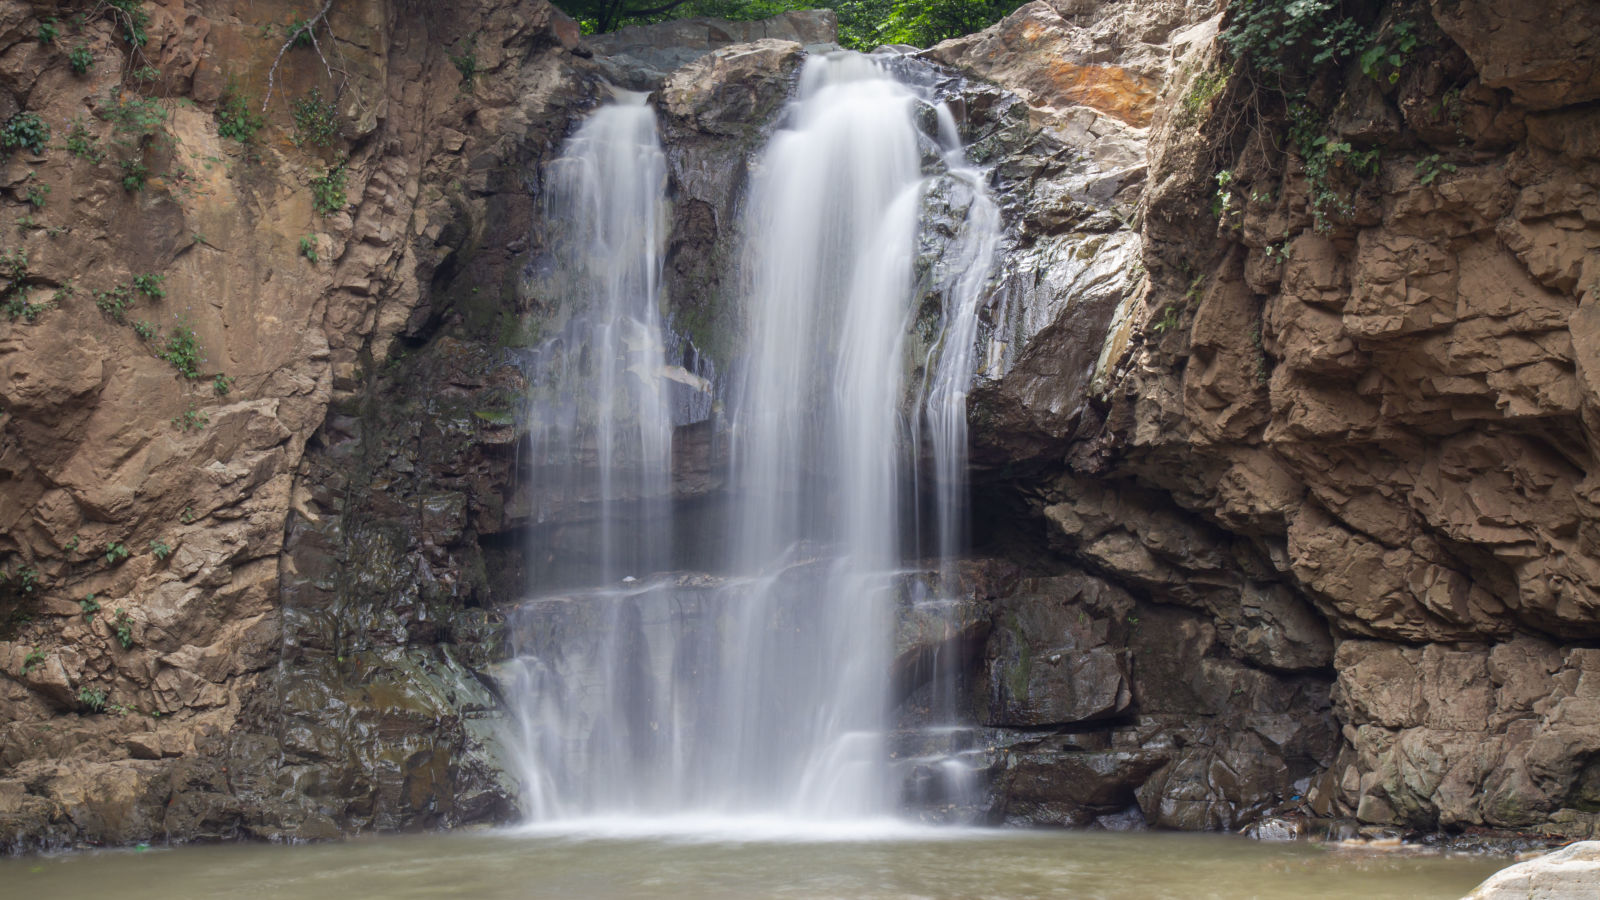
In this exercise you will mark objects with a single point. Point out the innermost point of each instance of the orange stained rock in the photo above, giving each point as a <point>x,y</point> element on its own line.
<point>1112,90</point>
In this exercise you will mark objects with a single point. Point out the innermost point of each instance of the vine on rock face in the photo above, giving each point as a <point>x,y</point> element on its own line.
<point>1292,50</point>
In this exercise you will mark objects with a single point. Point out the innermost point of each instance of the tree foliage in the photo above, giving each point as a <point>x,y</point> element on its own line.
<point>863,24</point>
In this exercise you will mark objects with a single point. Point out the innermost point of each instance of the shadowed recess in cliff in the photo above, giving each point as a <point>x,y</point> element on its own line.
<point>763,689</point>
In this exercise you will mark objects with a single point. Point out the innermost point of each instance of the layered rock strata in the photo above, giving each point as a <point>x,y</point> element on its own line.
<point>1353,406</point>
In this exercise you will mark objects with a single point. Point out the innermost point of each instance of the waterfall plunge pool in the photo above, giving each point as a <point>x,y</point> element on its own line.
<point>690,858</point>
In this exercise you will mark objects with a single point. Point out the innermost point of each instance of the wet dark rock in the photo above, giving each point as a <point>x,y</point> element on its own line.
<point>640,57</point>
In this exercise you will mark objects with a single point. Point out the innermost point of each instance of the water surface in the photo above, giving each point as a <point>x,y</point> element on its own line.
<point>753,860</point>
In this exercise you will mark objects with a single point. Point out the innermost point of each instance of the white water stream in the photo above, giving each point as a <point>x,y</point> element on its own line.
<point>764,691</point>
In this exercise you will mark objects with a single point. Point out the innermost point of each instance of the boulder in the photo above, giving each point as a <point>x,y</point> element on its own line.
<point>1571,873</point>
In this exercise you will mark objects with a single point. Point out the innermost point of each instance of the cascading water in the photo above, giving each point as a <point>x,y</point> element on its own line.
<point>600,422</point>
<point>817,435</point>
<point>967,263</point>
<point>763,690</point>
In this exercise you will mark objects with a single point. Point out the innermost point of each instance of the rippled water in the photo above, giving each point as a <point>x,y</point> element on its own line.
<point>753,860</point>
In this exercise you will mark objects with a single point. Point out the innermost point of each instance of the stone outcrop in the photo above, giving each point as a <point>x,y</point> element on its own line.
<point>149,587</point>
<point>1346,417</point>
<point>642,56</point>
<point>1571,872</point>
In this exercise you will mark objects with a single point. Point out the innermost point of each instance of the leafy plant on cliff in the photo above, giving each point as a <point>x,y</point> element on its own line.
<point>115,301</point>
<point>138,122</point>
<point>34,660</point>
<point>26,130</point>
<point>1283,40</point>
<point>131,17</point>
<point>116,552</point>
<point>466,62</point>
<point>191,419</point>
<point>1390,52</point>
<point>316,120</point>
<point>150,285</point>
<point>122,624</point>
<point>327,191</point>
<point>1429,168</point>
<point>49,30</point>
<point>83,144</point>
<point>134,174</point>
<point>92,699</point>
<point>236,115</point>
<point>18,306</point>
<point>182,350</point>
<point>299,32</point>
<point>80,59</point>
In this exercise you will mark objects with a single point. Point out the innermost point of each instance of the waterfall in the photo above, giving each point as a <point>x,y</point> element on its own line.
<point>601,430</point>
<point>818,435</point>
<point>969,262</point>
<point>762,689</point>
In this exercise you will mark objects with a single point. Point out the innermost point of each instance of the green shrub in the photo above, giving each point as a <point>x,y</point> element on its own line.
<point>92,699</point>
<point>236,115</point>
<point>1284,38</point>
<point>161,549</point>
<point>222,385</point>
<point>1429,168</point>
<point>90,606</point>
<point>327,191</point>
<point>133,19</point>
<point>116,552</point>
<point>49,31</point>
<point>81,59</point>
<point>298,33</point>
<point>114,302</point>
<point>191,420</point>
<point>134,175</point>
<point>149,285</point>
<point>14,265</point>
<point>183,351</point>
<point>25,129</point>
<point>316,120</point>
<point>308,247</point>
<point>136,118</point>
<point>83,144</point>
<point>18,306</point>
<point>466,62</point>
<point>34,660</point>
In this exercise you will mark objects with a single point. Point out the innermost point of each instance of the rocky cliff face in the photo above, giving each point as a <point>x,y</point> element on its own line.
<point>1284,500</point>
<point>1344,420</point>
<point>186,313</point>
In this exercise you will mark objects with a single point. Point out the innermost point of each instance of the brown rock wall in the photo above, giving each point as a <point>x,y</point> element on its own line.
<point>1369,398</point>
<point>122,714</point>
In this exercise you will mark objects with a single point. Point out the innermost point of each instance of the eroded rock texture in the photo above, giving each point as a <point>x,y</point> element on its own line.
<point>143,514</point>
<point>1355,436</point>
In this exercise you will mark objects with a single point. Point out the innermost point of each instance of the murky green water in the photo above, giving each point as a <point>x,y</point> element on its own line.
<point>958,866</point>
